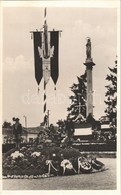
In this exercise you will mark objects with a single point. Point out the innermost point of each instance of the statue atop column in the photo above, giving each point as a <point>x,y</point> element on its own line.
<point>88,50</point>
<point>89,69</point>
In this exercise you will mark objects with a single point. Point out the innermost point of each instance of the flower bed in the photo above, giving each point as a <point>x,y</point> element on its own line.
<point>38,162</point>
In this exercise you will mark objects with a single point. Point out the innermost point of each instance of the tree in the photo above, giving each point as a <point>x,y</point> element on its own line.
<point>78,99</point>
<point>6,125</point>
<point>111,95</point>
<point>61,124</point>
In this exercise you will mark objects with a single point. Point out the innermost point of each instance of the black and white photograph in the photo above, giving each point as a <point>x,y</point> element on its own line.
<point>60,96</point>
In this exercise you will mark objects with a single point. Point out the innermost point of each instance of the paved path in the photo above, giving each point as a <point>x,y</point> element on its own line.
<point>105,180</point>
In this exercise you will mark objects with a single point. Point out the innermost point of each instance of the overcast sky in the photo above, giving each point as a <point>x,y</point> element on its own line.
<point>19,85</point>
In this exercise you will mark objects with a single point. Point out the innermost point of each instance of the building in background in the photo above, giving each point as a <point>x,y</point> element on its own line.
<point>28,135</point>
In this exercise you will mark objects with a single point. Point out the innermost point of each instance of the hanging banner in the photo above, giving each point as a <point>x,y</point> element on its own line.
<point>54,42</point>
<point>37,37</point>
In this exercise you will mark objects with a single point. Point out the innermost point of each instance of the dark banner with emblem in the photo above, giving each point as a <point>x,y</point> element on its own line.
<point>37,37</point>
<point>54,41</point>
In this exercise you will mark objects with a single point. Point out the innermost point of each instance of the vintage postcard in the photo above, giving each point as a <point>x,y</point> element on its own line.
<point>60,84</point>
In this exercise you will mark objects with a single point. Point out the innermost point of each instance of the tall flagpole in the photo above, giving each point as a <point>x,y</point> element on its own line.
<point>45,66</point>
<point>45,105</point>
<point>46,51</point>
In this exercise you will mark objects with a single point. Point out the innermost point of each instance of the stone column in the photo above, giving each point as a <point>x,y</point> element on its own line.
<point>89,68</point>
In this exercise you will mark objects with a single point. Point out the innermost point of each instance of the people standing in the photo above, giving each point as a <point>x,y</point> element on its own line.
<point>17,131</point>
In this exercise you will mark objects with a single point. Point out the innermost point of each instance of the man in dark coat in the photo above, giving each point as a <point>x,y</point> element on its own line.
<point>17,131</point>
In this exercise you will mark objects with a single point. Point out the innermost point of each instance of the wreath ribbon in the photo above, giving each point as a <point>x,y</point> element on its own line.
<point>82,163</point>
<point>67,164</point>
<point>49,163</point>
